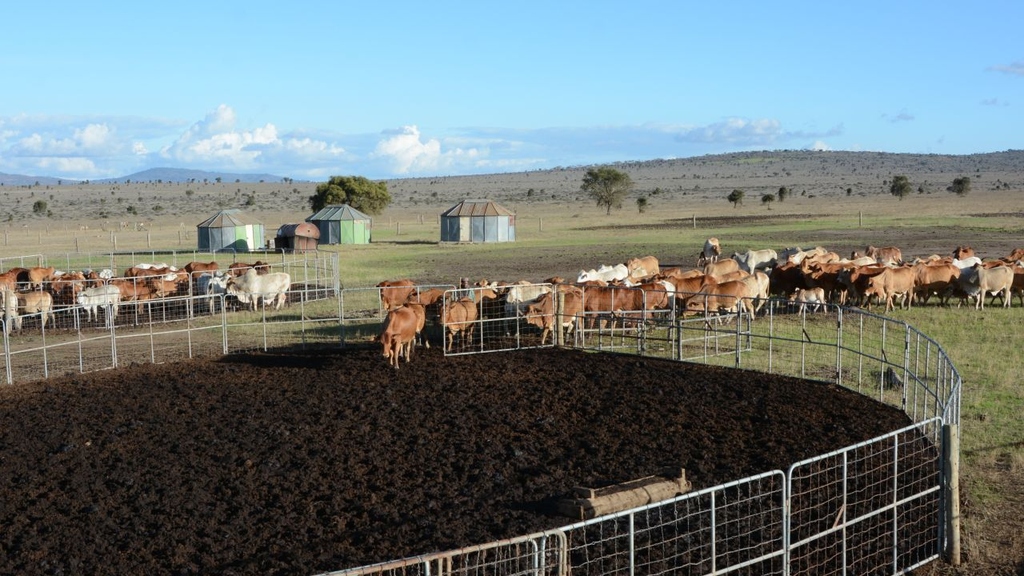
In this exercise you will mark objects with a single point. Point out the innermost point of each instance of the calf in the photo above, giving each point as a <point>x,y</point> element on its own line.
<point>398,334</point>
<point>815,297</point>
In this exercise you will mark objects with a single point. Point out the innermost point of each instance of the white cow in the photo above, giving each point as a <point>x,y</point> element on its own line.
<point>980,282</point>
<point>709,255</point>
<point>213,286</point>
<point>756,259</point>
<point>966,263</point>
<point>92,299</point>
<point>251,288</point>
<point>605,273</point>
<point>814,297</point>
<point>522,293</point>
<point>9,303</point>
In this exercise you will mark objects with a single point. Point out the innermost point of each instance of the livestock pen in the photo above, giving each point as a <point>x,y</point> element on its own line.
<point>881,505</point>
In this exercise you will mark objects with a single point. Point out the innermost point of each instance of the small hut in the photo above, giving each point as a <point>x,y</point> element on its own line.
<point>229,230</point>
<point>342,224</point>
<point>478,221</point>
<point>301,237</point>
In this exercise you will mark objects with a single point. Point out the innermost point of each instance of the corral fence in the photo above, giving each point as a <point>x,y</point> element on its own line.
<point>882,506</point>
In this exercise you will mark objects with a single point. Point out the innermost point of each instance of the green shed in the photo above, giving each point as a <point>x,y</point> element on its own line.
<point>229,230</point>
<point>342,224</point>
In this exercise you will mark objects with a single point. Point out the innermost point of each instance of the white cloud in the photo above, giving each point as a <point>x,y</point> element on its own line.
<point>735,131</point>
<point>94,136</point>
<point>67,165</point>
<point>1016,68</point>
<point>406,152</point>
<point>215,142</point>
<point>820,146</point>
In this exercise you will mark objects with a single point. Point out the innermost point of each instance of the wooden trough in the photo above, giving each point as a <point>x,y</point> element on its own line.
<point>586,503</point>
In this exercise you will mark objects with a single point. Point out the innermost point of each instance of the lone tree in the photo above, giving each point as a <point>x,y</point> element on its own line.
<point>961,186</point>
<point>736,197</point>
<point>783,192</point>
<point>900,186</point>
<point>767,199</point>
<point>607,186</point>
<point>641,204</point>
<point>356,191</point>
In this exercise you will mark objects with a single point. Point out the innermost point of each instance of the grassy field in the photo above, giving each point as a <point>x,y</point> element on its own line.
<point>559,233</point>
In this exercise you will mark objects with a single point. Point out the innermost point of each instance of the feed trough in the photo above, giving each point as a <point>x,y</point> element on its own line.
<point>586,503</point>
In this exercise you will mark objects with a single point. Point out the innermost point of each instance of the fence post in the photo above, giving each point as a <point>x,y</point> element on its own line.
<point>951,471</point>
<point>559,337</point>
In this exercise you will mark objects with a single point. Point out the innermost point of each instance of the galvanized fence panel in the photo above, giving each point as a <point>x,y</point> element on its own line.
<point>362,313</point>
<point>493,324</point>
<point>734,528</point>
<point>870,508</point>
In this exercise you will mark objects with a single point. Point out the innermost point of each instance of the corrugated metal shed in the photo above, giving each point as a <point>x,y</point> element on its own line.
<point>229,230</point>
<point>342,224</point>
<point>478,221</point>
<point>477,208</point>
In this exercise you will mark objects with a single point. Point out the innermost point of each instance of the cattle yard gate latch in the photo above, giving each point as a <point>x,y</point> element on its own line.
<point>587,503</point>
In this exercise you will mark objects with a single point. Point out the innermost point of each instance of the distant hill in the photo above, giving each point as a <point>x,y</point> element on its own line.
<point>22,180</point>
<point>185,175</point>
<point>151,175</point>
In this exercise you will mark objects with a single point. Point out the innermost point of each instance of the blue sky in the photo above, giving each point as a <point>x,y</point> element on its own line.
<point>308,89</point>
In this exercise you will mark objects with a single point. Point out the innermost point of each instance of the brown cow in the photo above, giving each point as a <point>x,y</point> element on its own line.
<point>65,288</point>
<point>963,252</point>
<point>889,255</point>
<point>195,269</point>
<point>38,302</point>
<point>162,288</point>
<point>1016,255</point>
<point>640,268</point>
<point>459,316</point>
<point>394,293</point>
<point>721,267</point>
<point>786,278</point>
<point>854,282</point>
<point>541,312</point>
<point>934,278</point>
<point>732,297</point>
<point>601,301</point>
<point>890,283</point>
<point>38,275</point>
<point>398,334</point>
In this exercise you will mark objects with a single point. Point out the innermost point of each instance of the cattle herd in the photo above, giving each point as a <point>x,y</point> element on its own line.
<point>806,279</point>
<point>45,291</point>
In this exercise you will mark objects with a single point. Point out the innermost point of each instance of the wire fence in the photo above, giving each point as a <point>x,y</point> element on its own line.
<point>871,508</point>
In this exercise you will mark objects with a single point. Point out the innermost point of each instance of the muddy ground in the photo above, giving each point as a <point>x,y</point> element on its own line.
<point>299,463</point>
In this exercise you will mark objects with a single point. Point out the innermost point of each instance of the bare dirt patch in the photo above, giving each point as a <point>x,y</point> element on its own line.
<point>296,463</point>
